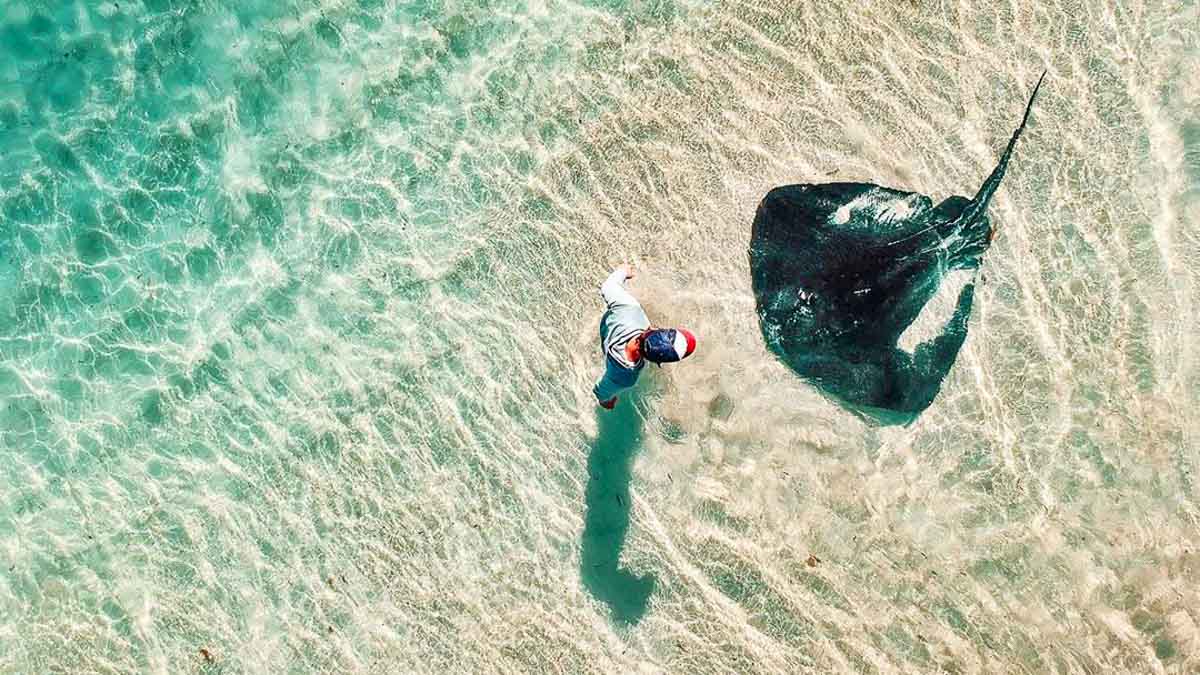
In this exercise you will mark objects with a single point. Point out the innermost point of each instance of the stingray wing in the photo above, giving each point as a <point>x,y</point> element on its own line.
<point>815,229</point>
<point>862,208</point>
<point>820,253</point>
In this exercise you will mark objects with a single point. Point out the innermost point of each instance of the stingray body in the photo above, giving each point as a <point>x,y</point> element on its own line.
<point>840,271</point>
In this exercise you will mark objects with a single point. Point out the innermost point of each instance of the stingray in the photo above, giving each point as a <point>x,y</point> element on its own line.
<point>841,270</point>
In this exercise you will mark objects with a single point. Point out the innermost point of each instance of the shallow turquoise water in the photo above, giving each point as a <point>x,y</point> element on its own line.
<point>276,279</point>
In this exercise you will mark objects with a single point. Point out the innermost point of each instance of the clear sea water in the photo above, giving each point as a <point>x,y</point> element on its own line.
<point>298,325</point>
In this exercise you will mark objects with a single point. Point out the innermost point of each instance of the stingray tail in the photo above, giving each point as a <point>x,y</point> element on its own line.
<point>979,204</point>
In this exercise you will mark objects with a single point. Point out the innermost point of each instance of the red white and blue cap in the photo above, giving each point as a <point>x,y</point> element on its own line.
<point>667,345</point>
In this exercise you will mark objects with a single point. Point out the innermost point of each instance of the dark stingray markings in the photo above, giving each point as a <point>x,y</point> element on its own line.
<point>840,270</point>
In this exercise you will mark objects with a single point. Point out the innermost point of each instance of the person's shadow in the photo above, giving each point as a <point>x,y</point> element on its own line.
<point>606,520</point>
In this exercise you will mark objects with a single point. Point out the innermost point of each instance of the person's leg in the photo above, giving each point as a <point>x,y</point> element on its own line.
<point>606,391</point>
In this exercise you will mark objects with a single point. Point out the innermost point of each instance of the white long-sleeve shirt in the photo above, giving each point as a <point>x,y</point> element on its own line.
<point>623,320</point>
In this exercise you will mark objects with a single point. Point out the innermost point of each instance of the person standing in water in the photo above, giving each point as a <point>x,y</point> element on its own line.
<point>628,340</point>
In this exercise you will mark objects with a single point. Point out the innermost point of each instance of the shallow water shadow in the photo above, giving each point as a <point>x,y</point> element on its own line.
<point>606,520</point>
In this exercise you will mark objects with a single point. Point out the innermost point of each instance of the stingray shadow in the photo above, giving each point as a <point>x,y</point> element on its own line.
<point>606,520</point>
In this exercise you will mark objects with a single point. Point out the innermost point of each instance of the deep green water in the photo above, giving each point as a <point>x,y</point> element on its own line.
<point>297,332</point>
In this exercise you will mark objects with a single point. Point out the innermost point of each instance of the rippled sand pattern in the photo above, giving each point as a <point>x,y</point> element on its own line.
<point>297,332</point>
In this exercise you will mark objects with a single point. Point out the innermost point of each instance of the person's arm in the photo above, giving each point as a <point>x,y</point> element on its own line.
<point>613,288</point>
